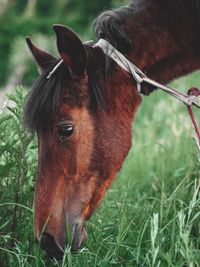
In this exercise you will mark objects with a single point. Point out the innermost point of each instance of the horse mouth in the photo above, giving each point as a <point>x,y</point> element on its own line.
<point>51,247</point>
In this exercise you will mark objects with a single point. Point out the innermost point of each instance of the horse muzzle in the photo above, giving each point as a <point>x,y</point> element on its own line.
<point>54,246</point>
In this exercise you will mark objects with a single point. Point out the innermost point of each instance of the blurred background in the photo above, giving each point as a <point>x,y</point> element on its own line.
<point>34,18</point>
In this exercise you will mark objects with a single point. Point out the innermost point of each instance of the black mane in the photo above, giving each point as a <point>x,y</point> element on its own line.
<point>108,25</point>
<point>44,97</point>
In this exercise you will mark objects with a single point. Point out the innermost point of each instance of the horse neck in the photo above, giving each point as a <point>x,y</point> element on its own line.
<point>164,45</point>
<point>165,40</point>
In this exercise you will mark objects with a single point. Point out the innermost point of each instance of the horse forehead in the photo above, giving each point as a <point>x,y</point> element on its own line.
<point>74,113</point>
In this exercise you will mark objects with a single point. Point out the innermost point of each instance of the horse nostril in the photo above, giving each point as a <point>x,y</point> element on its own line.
<point>48,243</point>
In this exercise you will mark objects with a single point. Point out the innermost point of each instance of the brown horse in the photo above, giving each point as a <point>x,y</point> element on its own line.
<point>84,112</point>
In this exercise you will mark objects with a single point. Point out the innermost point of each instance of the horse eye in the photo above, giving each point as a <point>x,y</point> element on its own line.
<point>65,131</point>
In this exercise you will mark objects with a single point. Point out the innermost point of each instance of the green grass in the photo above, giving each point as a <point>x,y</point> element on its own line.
<point>150,215</point>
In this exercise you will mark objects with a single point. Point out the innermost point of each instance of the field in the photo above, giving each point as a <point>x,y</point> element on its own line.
<point>150,215</point>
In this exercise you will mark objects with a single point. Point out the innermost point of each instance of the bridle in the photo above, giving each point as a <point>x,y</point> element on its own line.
<point>190,99</point>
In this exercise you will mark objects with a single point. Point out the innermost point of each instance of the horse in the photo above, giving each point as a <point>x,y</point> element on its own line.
<point>83,112</point>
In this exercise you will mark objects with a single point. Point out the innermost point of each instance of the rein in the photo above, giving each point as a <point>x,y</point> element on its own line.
<point>141,77</point>
<point>190,99</point>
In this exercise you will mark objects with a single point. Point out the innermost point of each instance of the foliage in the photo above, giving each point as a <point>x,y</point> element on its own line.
<point>150,216</point>
<point>17,167</point>
<point>30,17</point>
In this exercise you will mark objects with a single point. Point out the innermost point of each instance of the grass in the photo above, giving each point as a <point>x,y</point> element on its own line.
<point>150,215</point>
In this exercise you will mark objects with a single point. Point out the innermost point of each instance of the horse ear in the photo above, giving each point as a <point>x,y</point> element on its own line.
<point>71,49</point>
<point>43,59</point>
